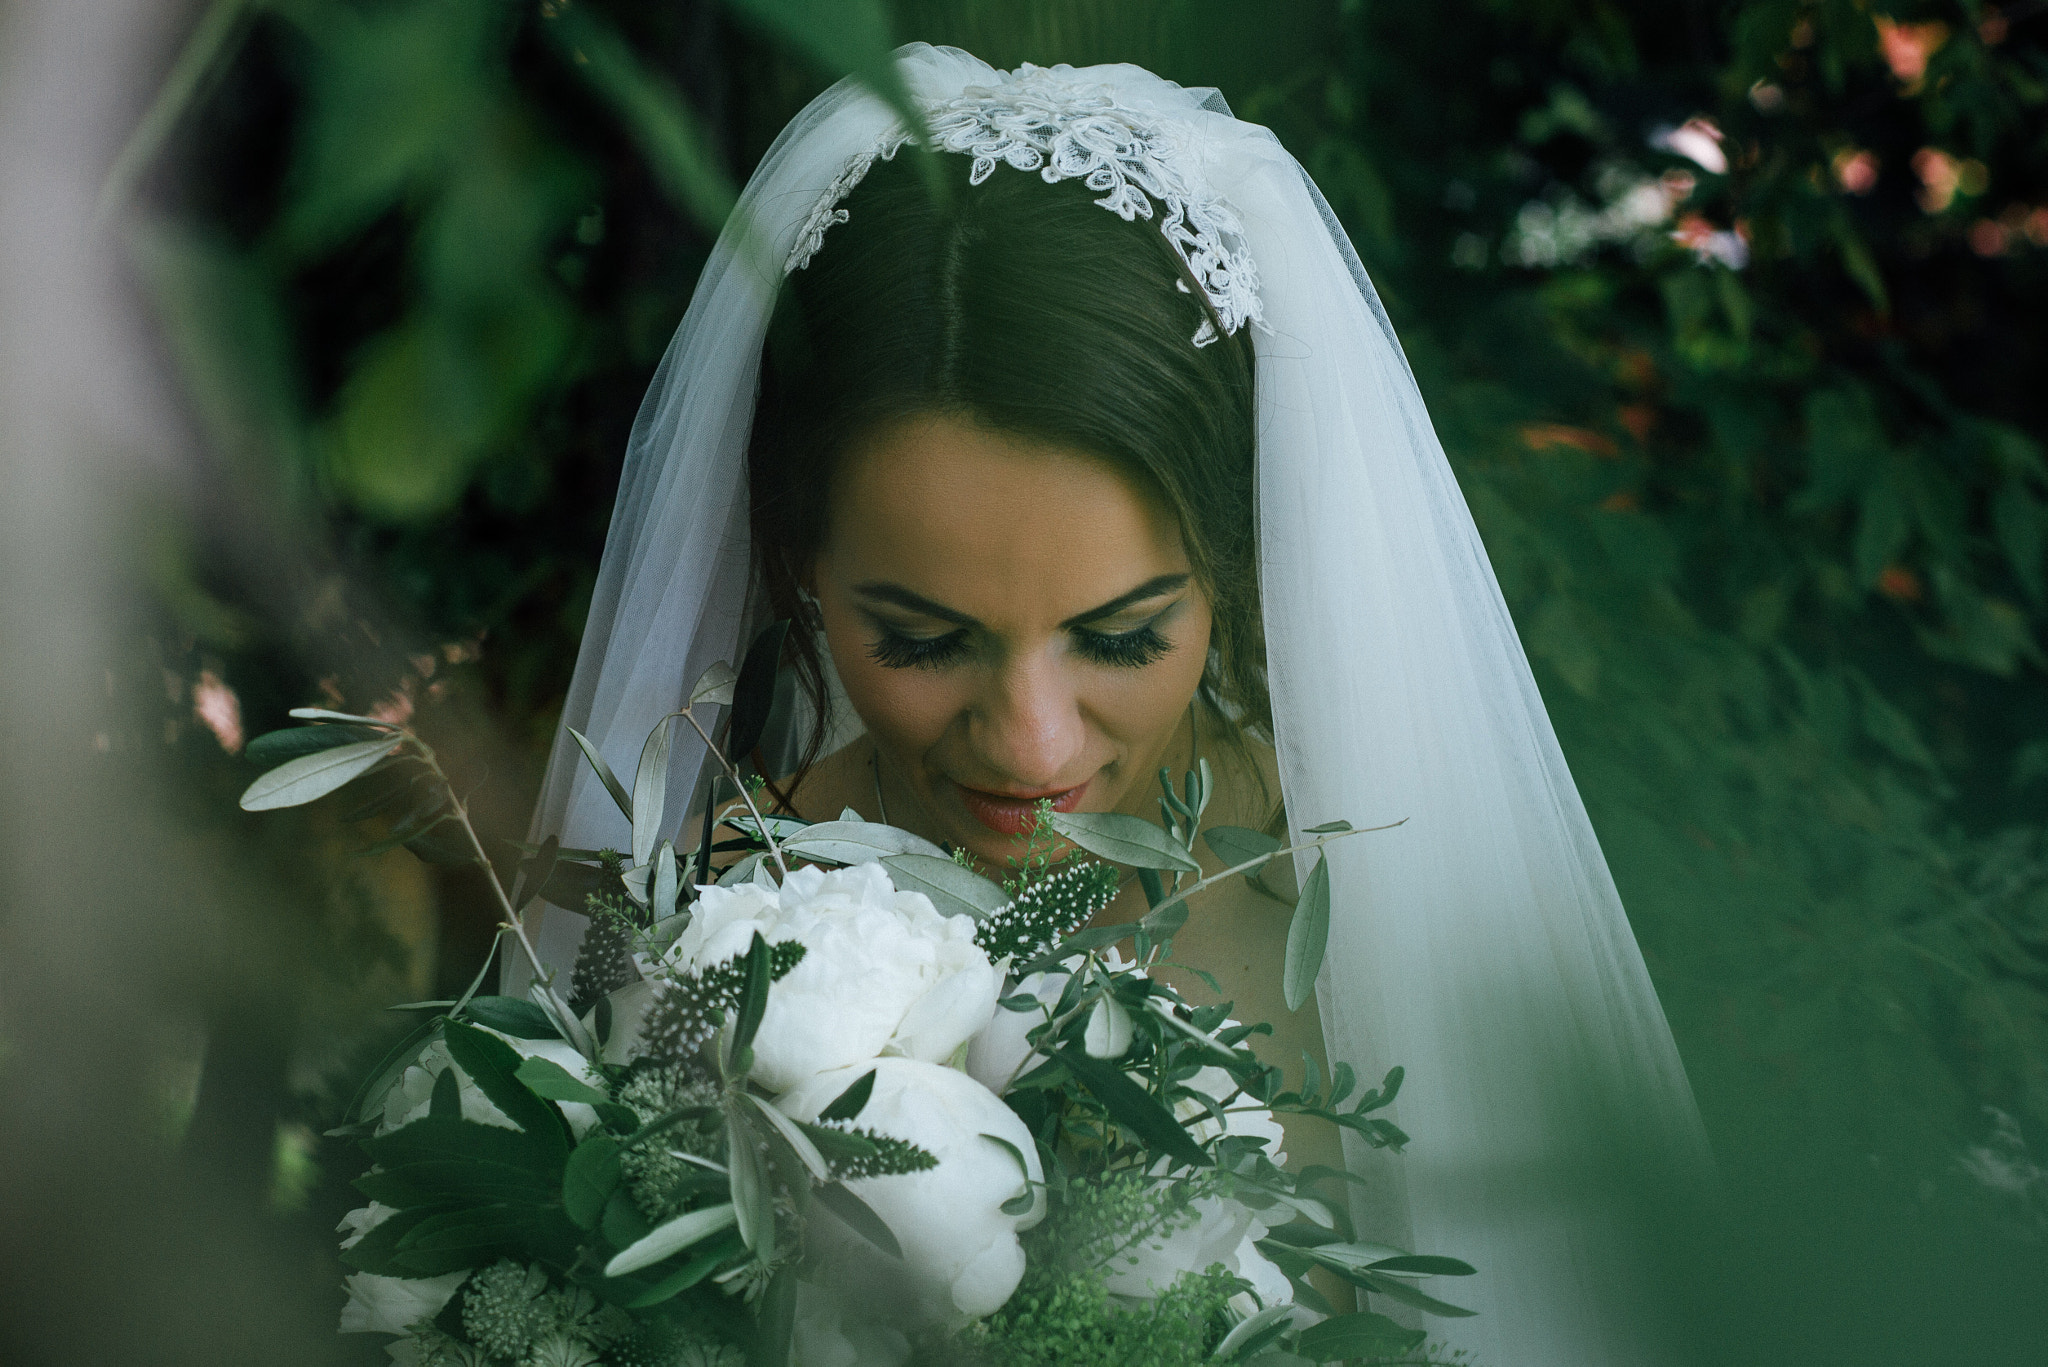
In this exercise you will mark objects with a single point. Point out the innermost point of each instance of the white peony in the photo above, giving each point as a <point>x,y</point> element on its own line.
<point>961,1258</point>
<point>885,973</point>
<point>1215,1229</point>
<point>413,1093</point>
<point>1000,1051</point>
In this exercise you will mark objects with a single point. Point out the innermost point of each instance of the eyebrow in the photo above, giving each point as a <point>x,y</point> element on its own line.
<point>898,596</point>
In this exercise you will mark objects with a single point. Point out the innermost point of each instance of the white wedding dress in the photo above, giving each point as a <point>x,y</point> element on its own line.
<point>1481,945</point>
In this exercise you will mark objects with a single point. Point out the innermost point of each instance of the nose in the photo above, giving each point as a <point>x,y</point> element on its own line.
<point>1028,727</point>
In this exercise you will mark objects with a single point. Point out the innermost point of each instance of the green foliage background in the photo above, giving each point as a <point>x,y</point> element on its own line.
<point>1774,536</point>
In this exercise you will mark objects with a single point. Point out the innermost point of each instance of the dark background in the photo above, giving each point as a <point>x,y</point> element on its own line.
<point>1772,524</point>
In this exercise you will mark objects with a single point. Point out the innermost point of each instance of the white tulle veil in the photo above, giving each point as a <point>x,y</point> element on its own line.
<point>1481,945</point>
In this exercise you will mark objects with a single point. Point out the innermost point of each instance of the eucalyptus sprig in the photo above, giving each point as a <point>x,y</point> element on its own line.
<point>333,753</point>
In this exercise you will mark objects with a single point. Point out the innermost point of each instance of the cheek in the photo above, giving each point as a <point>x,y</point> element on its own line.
<point>906,709</point>
<point>1137,706</point>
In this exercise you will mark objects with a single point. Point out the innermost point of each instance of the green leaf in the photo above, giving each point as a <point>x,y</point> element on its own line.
<point>752,1197</point>
<point>1253,1333</point>
<point>437,1181</point>
<point>1027,1198</point>
<point>1132,1107</point>
<point>690,1273</point>
<point>714,686</point>
<point>623,1225</point>
<point>428,1140</point>
<point>463,1238</point>
<point>954,891</point>
<point>842,36</point>
<point>682,156</point>
<point>859,842</point>
<point>667,882</point>
<point>672,1236</point>
<point>849,1103</point>
<point>775,1321</point>
<point>275,747</point>
<point>445,1103</point>
<point>1308,936</point>
<point>550,1080</point>
<point>494,1066</point>
<point>1328,828</point>
<point>859,1216</point>
<point>1236,845</point>
<point>1401,1291</point>
<point>790,1133</point>
<point>840,1143</point>
<point>322,714</point>
<point>375,1250</point>
<point>370,1095</point>
<point>1882,529</point>
<point>1124,839</point>
<point>2022,528</point>
<point>513,1016</point>
<point>309,777</point>
<point>1423,1265</point>
<point>753,696</point>
<point>534,873</point>
<point>589,1178</point>
<point>604,773</point>
<point>753,1002</point>
<point>650,789</point>
<point>1166,922</point>
<point>1358,1335</point>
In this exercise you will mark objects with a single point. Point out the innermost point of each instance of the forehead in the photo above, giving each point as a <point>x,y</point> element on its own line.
<point>1010,529</point>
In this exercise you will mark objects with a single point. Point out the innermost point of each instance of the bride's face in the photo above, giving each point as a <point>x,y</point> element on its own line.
<point>1013,620</point>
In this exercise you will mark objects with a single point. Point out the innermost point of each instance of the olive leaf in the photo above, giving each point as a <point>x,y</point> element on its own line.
<point>299,781</point>
<point>1124,839</point>
<point>1308,936</point>
<point>672,1236</point>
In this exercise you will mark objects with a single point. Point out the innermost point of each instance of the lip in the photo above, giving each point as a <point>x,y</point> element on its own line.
<point>1011,814</point>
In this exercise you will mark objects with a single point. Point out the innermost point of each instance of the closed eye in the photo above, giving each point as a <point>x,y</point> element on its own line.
<point>894,649</point>
<point>1123,649</point>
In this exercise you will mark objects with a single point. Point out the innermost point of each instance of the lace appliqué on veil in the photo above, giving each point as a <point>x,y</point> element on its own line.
<point>1036,120</point>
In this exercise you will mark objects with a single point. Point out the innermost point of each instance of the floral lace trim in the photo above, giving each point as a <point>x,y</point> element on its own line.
<point>1037,120</point>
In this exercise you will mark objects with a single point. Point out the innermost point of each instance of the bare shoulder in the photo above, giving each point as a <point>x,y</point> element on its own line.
<point>845,778</point>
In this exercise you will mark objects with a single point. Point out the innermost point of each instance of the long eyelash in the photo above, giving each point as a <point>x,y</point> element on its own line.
<point>1124,649</point>
<point>894,650</point>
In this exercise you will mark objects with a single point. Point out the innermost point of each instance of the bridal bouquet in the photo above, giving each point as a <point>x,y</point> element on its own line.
<point>845,1101</point>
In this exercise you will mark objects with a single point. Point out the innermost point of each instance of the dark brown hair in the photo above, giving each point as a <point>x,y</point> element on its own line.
<point>1027,308</point>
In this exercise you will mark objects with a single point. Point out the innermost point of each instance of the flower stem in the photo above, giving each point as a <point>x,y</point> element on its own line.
<point>572,1029</point>
<point>1260,861</point>
<point>760,824</point>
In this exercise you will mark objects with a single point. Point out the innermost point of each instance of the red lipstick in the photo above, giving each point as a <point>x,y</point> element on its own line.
<point>1011,814</point>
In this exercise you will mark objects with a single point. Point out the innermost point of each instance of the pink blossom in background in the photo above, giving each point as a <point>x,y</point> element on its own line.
<point>1855,170</point>
<point>216,707</point>
<point>396,709</point>
<point>1907,47</point>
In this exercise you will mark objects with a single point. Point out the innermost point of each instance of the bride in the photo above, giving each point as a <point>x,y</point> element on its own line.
<point>1102,458</point>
